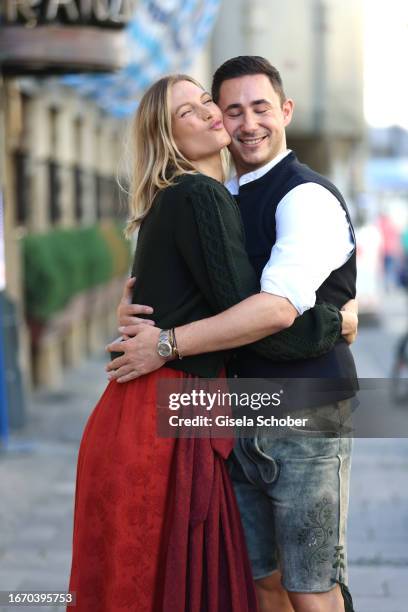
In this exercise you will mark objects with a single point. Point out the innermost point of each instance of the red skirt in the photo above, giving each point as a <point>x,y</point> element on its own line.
<point>156,524</point>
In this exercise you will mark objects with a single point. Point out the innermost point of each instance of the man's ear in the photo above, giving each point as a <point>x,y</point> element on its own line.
<point>287,109</point>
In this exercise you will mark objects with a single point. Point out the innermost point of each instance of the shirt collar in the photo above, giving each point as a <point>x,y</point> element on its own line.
<point>234,183</point>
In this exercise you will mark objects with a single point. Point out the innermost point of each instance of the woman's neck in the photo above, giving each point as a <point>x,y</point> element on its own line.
<point>211,166</point>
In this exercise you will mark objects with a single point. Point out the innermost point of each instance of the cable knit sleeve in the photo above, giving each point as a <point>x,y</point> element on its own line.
<point>223,271</point>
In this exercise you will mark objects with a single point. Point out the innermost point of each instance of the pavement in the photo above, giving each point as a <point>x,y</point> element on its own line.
<point>378,520</point>
<point>37,477</point>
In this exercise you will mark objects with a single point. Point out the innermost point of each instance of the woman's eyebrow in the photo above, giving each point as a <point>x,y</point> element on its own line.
<point>181,106</point>
<point>205,93</point>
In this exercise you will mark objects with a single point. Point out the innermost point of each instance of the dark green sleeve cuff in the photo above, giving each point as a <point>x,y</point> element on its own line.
<point>312,334</point>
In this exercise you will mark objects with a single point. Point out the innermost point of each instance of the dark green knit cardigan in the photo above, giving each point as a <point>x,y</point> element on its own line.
<point>191,263</point>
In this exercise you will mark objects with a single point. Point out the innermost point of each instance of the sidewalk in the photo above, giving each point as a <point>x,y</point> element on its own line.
<point>37,486</point>
<point>37,489</point>
<point>378,526</point>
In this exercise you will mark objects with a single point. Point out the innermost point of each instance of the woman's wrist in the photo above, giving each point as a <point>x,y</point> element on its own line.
<point>176,351</point>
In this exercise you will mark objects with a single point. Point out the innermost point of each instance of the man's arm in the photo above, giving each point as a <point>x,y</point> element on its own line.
<point>313,238</point>
<point>220,331</point>
<point>255,317</point>
<point>258,316</point>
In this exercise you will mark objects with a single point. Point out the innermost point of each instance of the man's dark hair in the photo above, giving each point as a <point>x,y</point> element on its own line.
<point>245,65</point>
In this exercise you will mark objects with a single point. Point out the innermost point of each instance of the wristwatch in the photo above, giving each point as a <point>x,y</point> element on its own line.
<point>165,346</point>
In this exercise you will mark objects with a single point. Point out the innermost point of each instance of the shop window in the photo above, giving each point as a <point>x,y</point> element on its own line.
<point>54,186</point>
<point>54,192</point>
<point>98,195</point>
<point>78,193</point>
<point>22,187</point>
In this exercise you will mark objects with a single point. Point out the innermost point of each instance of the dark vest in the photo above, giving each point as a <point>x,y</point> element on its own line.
<point>258,201</point>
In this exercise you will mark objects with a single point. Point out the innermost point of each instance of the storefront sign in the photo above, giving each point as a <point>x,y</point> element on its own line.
<point>107,13</point>
<point>63,36</point>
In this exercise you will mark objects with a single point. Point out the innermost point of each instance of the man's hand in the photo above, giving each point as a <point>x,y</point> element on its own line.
<point>127,312</point>
<point>350,321</point>
<point>140,354</point>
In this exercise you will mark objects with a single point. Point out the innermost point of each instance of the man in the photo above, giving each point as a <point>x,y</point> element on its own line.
<point>300,241</point>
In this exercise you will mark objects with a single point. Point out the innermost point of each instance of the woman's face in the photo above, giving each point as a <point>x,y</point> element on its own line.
<point>197,124</point>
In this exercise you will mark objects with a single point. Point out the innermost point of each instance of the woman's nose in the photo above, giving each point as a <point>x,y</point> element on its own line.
<point>207,113</point>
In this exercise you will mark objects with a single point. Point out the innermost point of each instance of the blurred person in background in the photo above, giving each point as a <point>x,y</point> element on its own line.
<point>156,524</point>
<point>403,273</point>
<point>391,250</point>
<point>301,244</point>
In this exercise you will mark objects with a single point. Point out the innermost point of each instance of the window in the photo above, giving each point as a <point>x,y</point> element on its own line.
<point>22,187</point>
<point>54,186</point>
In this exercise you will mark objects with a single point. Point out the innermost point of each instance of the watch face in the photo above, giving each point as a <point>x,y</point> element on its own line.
<point>164,349</point>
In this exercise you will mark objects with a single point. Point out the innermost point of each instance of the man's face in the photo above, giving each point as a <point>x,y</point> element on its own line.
<point>255,119</point>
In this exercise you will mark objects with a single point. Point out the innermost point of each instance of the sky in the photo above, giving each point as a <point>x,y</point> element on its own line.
<point>386,62</point>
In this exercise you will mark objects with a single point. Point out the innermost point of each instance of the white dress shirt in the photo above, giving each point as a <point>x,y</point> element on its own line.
<point>313,238</point>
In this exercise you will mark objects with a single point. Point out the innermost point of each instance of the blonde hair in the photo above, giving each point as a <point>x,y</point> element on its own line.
<point>157,159</point>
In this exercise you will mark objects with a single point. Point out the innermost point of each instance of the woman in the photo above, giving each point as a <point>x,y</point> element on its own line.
<point>156,525</point>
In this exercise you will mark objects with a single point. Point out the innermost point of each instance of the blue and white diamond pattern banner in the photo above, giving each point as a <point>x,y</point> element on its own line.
<point>163,37</point>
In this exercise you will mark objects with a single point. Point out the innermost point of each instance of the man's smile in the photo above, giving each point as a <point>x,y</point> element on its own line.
<point>252,142</point>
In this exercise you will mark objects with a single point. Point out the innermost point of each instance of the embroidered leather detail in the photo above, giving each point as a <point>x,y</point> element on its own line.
<point>315,536</point>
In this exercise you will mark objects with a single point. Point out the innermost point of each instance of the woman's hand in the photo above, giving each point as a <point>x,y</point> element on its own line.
<point>127,312</point>
<point>350,321</point>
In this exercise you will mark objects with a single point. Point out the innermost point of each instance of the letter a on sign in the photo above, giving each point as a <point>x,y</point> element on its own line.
<point>69,6</point>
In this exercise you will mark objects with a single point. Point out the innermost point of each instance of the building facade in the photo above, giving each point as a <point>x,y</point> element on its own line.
<point>63,149</point>
<point>317,45</point>
<point>62,161</point>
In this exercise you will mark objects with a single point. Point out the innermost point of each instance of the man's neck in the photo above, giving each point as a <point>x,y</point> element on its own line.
<point>234,184</point>
<point>242,170</point>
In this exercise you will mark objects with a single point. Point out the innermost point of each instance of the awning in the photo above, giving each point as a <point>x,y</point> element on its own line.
<point>163,37</point>
<point>387,173</point>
